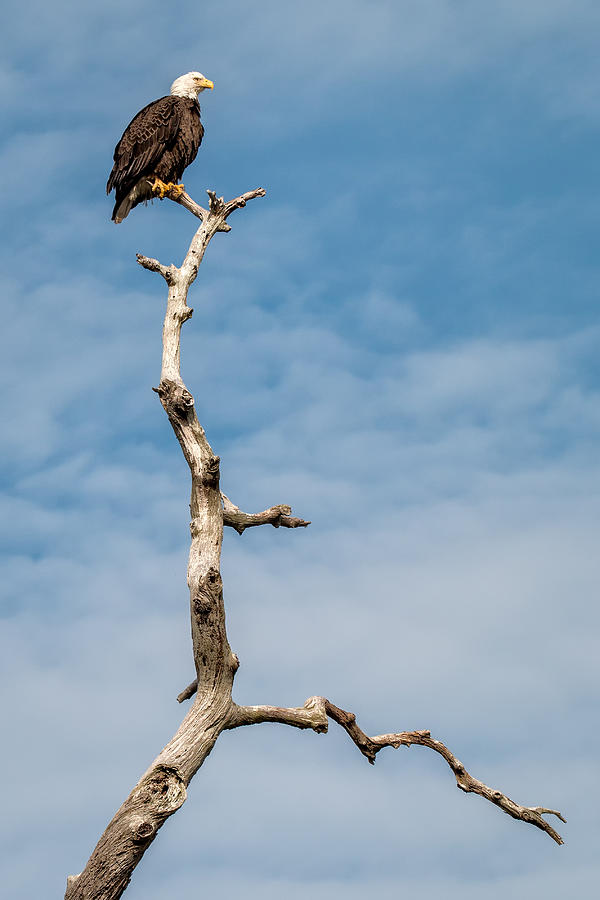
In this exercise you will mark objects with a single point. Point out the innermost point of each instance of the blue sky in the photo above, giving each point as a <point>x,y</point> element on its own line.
<point>400,340</point>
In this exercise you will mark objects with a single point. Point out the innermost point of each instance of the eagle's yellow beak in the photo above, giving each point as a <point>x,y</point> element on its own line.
<point>206,83</point>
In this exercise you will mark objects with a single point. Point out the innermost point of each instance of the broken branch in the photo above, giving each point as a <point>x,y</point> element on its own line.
<point>277,516</point>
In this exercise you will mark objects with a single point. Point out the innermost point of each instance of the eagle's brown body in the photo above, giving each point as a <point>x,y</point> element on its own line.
<point>160,142</point>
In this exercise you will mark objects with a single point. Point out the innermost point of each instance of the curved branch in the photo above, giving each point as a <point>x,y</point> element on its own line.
<point>311,716</point>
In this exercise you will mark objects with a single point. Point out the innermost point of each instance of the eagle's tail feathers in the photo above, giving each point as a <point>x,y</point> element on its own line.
<point>139,193</point>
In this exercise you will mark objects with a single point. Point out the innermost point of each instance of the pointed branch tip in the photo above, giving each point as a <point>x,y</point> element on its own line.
<point>278,516</point>
<point>370,747</point>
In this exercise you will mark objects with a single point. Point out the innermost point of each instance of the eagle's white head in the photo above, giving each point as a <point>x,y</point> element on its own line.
<point>190,85</point>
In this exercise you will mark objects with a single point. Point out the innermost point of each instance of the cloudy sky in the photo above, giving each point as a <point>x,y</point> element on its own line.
<point>400,340</point>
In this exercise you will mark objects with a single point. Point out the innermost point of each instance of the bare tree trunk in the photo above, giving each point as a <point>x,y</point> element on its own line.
<point>162,788</point>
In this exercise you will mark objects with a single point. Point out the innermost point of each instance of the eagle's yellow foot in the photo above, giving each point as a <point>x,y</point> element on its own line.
<point>176,190</point>
<point>160,188</point>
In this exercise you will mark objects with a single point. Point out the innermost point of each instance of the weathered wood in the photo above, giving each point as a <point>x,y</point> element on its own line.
<point>162,789</point>
<point>279,516</point>
<point>314,715</point>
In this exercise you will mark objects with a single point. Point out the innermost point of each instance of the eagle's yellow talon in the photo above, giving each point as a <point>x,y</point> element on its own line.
<point>160,188</point>
<point>175,190</point>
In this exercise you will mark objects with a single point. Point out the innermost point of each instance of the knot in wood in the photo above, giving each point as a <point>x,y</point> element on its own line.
<point>142,832</point>
<point>162,791</point>
<point>211,472</point>
<point>183,401</point>
<point>196,526</point>
<point>210,584</point>
<point>208,593</point>
<point>176,398</point>
<point>202,606</point>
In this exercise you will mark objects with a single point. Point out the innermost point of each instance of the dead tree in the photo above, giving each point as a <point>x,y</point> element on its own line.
<point>162,788</point>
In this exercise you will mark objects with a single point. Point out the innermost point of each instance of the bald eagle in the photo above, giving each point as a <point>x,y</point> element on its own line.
<point>157,145</point>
